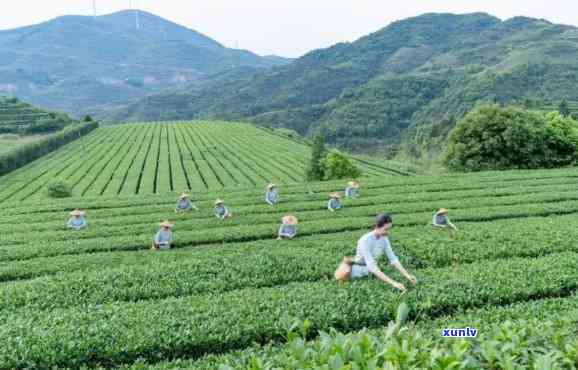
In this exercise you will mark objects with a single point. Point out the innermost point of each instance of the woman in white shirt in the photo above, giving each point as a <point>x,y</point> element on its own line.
<point>371,247</point>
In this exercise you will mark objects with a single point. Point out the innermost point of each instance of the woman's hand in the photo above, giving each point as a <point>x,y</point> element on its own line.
<point>399,286</point>
<point>412,279</point>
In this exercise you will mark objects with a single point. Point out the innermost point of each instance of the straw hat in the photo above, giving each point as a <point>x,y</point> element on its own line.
<point>219,201</point>
<point>354,184</point>
<point>442,211</point>
<point>334,195</point>
<point>77,212</point>
<point>290,220</point>
<point>166,224</point>
<point>185,195</point>
<point>271,186</point>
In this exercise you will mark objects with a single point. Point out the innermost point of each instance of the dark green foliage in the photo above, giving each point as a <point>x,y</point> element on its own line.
<point>561,140</point>
<point>46,125</point>
<point>59,189</point>
<point>495,138</point>
<point>34,338</point>
<point>383,108</point>
<point>563,108</point>
<point>337,166</point>
<point>27,153</point>
<point>315,171</point>
<point>88,118</point>
<point>529,343</point>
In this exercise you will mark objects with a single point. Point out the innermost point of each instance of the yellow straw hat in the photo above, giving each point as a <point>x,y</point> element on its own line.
<point>354,184</point>
<point>290,220</point>
<point>77,212</point>
<point>271,186</point>
<point>443,211</point>
<point>334,195</point>
<point>219,201</point>
<point>166,224</point>
<point>185,195</point>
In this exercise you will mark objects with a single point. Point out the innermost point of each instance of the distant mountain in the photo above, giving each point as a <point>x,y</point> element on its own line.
<point>277,59</point>
<point>77,62</point>
<point>411,78</point>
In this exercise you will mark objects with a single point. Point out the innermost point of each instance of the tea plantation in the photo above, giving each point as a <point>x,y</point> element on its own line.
<point>228,295</point>
<point>169,157</point>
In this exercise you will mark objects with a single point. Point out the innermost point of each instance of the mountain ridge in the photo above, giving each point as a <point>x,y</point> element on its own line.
<point>74,62</point>
<point>405,77</point>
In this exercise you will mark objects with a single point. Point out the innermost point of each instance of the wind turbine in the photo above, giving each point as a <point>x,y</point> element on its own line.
<point>94,9</point>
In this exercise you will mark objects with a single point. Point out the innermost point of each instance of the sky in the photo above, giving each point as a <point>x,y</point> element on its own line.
<point>287,28</point>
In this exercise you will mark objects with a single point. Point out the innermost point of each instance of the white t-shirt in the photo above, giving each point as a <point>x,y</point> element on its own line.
<point>369,250</point>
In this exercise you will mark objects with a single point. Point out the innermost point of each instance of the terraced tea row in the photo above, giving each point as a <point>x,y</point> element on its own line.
<point>131,226</point>
<point>405,190</point>
<point>168,157</point>
<point>264,263</point>
<point>122,333</point>
<point>99,297</point>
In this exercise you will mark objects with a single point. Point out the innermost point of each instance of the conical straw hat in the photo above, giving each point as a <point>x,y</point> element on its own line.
<point>335,195</point>
<point>442,211</point>
<point>219,201</point>
<point>77,212</point>
<point>354,184</point>
<point>290,220</point>
<point>166,224</point>
<point>185,195</point>
<point>271,186</point>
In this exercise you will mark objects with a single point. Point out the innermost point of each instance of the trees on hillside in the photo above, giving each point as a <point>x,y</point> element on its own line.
<point>494,138</point>
<point>318,151</point>
<point>563,108</point>
<point>331,165</point>
<point>337,166</point>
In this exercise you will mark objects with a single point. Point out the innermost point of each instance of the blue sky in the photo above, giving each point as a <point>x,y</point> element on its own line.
<point>286,27</point>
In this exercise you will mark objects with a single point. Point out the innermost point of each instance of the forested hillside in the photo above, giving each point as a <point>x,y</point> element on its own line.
<point>413,77</point>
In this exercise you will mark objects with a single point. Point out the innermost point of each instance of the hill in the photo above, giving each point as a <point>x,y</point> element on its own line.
<point>28,133</point>
<point>99,298</point>
<point>401,80</point>
<point>18,117</point>
<point>77,63</point>
<point>171,157</point>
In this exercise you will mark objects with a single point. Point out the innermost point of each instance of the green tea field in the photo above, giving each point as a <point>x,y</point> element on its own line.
<point>10,142</point>
<point>100,298</point>
<point>169,157</point>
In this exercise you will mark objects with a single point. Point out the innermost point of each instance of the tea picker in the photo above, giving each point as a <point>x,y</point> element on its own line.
<point>164,236</point>
<point>370,248</point>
